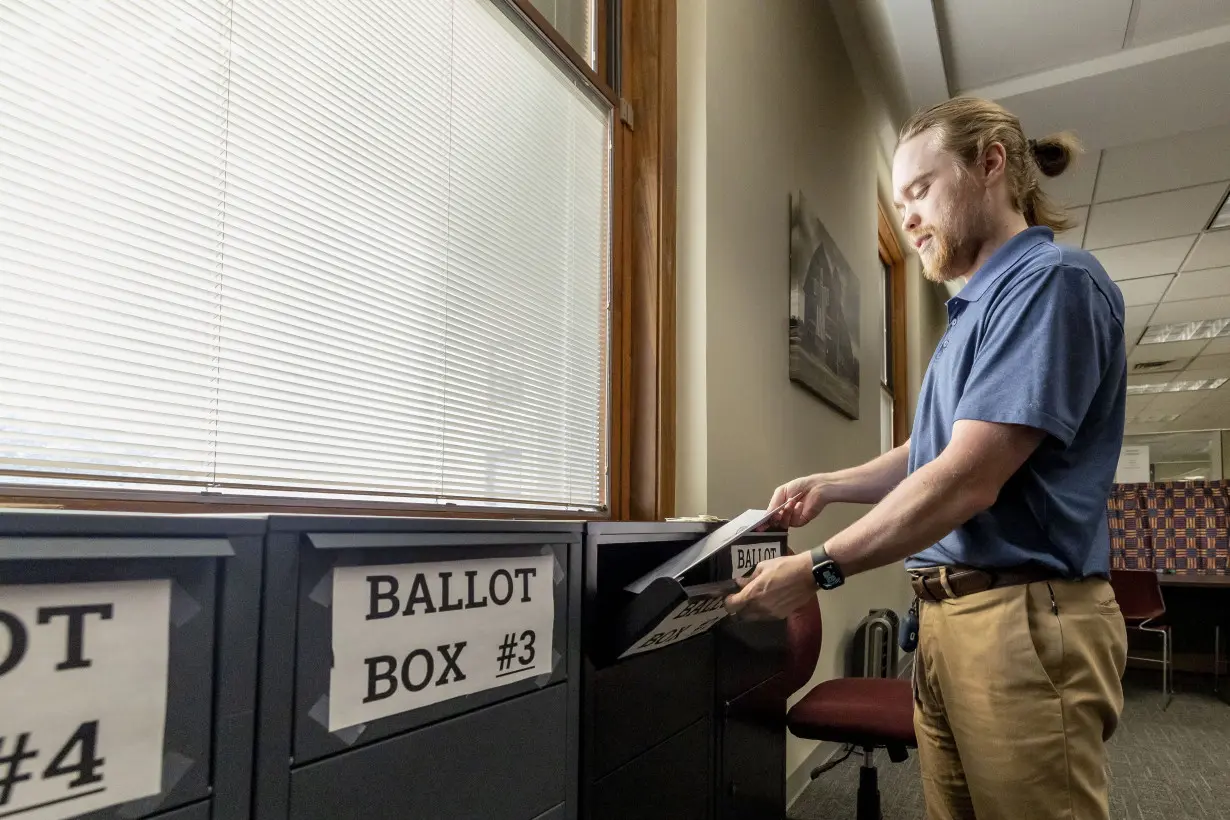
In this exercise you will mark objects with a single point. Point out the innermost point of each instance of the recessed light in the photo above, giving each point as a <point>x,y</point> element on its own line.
<point>1175,387</point>
<point>1186,331</point>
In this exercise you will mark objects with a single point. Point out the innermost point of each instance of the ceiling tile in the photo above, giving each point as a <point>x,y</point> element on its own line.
<point>1157,216</point>
<point>1170,350</point>
<point>1199,373</point>
<point>1175,402</point>
<point>1199,285</point>
<point>1075,235</point>
<point>1191,310</point>
<point>1150,427</point>
<point>1146,291</point>
<point>1211,251</point>
<point>1217,346</point>
<point>1195,158</point>
<point>1158,20</point>
<point>974,34</point>
<point>1214,361</point>
<point>1075,185</point>
<point>1145,258</point>
<point>1137,316</point>
<point>1138,404</point>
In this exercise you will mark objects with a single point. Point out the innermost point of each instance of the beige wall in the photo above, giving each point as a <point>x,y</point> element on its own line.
<point>768,104</point>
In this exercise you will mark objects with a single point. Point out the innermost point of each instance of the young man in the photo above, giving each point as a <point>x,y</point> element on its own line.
<point>998,500</point>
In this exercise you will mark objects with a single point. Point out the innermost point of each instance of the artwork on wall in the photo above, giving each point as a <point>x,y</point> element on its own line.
<point>824,310</point>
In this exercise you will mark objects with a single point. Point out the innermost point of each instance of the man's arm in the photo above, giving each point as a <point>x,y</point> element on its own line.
<point>937,498</point>
<point>868,483</point>
<point>864,484</point>
<point>927,505</point>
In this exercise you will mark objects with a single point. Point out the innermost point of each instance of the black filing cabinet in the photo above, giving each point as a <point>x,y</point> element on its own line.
<point>693,729</point>
<point>132,627</point>
<point>500,750</point>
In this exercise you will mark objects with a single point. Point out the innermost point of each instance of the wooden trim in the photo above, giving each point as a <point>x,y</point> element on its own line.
<point>890,253</point>
<point>602,53</point>
<point>561,44</point>
<point>649,83</point>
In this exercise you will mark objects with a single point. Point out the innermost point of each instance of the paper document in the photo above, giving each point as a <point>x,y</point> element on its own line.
<point>706,547</point>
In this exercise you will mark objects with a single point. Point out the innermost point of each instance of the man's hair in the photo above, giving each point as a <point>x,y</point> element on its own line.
<point>967,126</point>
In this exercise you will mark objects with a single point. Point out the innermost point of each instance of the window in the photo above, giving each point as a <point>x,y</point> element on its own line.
<point>299,249</point>
<point>894,424</point>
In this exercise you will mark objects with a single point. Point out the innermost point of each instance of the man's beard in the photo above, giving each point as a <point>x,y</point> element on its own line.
<point>955,239</point>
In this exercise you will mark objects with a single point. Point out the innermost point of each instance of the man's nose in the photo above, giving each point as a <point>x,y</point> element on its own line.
<point>909,221</point>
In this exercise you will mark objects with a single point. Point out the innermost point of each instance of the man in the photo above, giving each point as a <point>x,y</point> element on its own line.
<point>998,500</point>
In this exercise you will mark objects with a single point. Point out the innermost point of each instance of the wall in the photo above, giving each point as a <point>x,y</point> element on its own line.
<point>768,104</point>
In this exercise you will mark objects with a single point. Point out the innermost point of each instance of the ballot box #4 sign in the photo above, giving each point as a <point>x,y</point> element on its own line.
<point>83,693</point>
<point>409,635</point>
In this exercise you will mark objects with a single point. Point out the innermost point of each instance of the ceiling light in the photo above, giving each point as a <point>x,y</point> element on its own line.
<point>1222,218</point>
<point>1175,387</point>
<point>1186,331</point>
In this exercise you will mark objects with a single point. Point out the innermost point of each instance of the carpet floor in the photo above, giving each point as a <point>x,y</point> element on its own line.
<point>1171,764</point>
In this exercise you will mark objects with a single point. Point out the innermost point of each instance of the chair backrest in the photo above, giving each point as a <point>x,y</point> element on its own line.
<point>1138,592</point>
<point>804,633</point>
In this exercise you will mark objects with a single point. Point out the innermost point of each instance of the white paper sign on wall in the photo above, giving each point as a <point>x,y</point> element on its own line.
<point>83,694</point>
<point>1133,467</point>
<point>409,635</point>
<point>745,557</point>
<point>693,617</point>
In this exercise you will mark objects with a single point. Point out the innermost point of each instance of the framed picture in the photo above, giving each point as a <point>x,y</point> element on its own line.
<point>824,310</point>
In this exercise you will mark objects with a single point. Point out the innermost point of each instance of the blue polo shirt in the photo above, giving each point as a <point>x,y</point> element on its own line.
<point>1035,338</point>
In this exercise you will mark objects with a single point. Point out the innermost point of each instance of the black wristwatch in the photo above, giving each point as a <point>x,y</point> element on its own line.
<point>825,570</point>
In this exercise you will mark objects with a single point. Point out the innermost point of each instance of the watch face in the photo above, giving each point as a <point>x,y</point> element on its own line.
<point>828,576</point>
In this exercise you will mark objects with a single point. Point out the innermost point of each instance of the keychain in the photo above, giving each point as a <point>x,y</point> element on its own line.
<point>908,635</point>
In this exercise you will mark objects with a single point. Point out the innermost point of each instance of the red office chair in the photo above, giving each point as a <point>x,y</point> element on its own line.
<point>1140,599</point>
<point>866,713</point>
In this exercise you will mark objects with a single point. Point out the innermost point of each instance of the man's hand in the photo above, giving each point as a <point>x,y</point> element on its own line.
<point>777,588</point>
<point>808,504</point>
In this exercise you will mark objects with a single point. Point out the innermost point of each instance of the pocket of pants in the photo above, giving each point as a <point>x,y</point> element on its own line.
<point>1044,632</point>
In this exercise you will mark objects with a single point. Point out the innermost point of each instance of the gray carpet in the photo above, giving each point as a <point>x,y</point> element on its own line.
<point>1165,765</point>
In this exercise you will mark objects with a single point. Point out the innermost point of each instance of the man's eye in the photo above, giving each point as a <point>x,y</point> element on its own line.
<point>922,192</point>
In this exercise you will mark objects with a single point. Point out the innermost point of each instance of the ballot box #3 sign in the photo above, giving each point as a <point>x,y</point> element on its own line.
<point>409,635</point>
<point>83,693</point>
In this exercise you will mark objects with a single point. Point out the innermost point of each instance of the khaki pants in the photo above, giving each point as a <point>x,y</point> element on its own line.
<point>1014,703</point>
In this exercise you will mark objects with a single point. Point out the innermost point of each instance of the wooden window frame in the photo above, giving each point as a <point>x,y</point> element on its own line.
<point>635,72</point>
<point>891,255</point>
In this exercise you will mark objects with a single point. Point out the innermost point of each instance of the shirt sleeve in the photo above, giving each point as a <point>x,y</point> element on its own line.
<point>1042,355</point>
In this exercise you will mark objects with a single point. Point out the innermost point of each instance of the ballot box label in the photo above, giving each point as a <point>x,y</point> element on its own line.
<point>695,616</point>
<point>745,557</point>
<point>410,635</point>
<point>83,695</point>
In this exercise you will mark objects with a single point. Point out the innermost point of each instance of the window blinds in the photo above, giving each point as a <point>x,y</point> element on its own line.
<point>353,248</point>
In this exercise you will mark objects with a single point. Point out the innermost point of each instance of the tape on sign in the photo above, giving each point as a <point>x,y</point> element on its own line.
<point>174,767</point>
<point>183,606</point>
<point>545,678</point>
<point>558,572</point>
<point>322,593</point>
<point>320,714</point>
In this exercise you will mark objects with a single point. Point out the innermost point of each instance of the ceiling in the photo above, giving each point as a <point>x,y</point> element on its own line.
<point>1145,84</point>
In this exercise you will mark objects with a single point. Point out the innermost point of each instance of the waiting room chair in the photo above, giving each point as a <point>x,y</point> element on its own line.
<point>1140,599</point>
<point>864,713</point>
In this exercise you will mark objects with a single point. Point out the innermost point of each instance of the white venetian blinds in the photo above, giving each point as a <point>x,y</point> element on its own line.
<point>300,247</point>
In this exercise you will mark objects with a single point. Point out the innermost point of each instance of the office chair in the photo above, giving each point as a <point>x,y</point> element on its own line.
<point>862,713</point>
<point>1140,599</point>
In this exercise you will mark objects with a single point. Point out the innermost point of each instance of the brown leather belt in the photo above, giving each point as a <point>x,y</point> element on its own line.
<point>944,583</point>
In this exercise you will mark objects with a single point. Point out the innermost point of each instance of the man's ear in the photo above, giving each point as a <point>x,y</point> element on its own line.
<point>994,162</point>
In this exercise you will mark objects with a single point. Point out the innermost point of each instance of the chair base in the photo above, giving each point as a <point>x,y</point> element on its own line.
<point>868,805</point>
